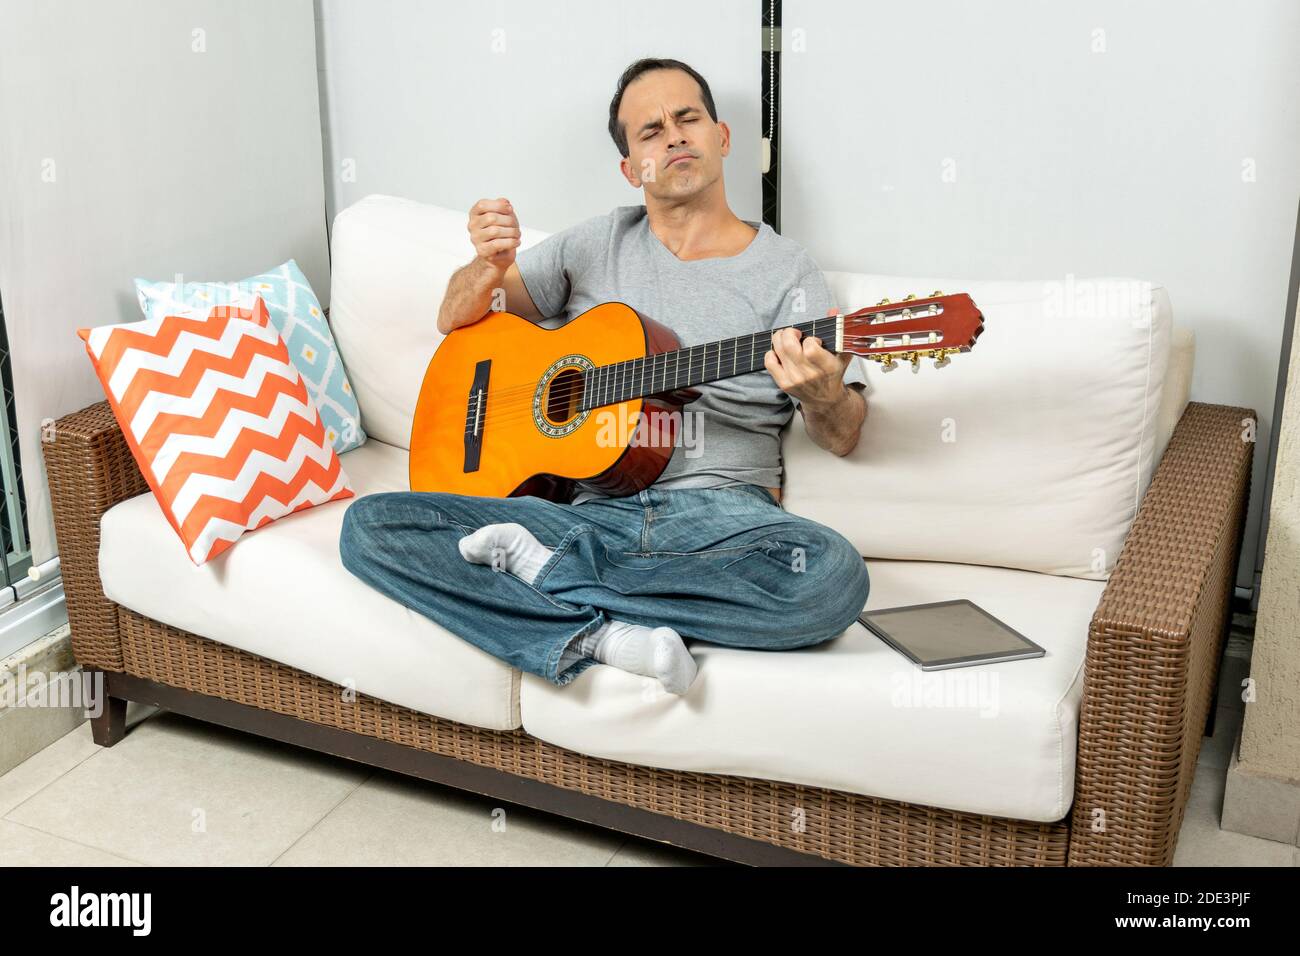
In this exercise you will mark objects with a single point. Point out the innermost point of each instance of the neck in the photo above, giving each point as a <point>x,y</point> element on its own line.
<point>687,367</point>
<point>696,227</point>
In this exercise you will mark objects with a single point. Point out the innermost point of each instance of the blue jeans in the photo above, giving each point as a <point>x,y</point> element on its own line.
<point>723,565</point>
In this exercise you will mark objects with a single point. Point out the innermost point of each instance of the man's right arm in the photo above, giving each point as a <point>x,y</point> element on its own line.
<point>494,229</point>
<point>470,295</point>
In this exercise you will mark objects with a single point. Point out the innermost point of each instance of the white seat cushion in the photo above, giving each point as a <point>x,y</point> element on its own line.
<point>1032,451</point>
<point>282,593</point>
<point>853,714</point>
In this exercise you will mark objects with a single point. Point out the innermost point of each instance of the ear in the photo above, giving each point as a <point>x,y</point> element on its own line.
<point>725,132</point>
<point>625,167</point>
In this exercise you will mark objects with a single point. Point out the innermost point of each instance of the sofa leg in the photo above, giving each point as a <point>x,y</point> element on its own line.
<point>110,726</point>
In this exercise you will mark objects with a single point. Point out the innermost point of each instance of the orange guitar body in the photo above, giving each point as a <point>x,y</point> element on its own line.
<point>525,434</point>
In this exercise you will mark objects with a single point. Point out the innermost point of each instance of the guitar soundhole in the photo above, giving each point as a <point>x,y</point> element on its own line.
<point>564,396</point>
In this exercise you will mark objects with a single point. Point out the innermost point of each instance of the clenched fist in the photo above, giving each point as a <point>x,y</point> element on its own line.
<point>494,230</point>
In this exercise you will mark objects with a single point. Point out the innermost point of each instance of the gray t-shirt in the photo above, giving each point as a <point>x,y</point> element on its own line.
<point>733,435</point>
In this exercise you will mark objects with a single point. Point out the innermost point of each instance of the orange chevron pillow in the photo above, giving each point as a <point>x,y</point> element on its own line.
<point>218,419</point>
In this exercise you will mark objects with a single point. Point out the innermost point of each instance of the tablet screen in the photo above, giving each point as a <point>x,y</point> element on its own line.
<point>949,630</point>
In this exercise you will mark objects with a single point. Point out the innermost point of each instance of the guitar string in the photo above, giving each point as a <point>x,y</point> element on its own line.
<point>615,375</point>
<point>519,399</point>
<point>507,410</point>
<point>509,392</point>
<point>735,346</point>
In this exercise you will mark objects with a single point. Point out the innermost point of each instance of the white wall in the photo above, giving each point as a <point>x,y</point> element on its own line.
<point>1136,161</point>
<point>451,102</point>
<point>126,150</point>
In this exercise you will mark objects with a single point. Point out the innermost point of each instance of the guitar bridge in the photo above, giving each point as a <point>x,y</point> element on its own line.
<point>476,415</point>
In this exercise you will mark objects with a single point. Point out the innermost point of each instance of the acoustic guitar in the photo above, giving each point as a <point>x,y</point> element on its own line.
<point>510,408</point>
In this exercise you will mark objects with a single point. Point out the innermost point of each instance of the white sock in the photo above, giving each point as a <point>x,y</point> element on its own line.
<point>506,547</point>
<point>648,651</point>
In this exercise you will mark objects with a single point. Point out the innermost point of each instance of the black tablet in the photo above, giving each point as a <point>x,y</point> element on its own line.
<point>948,634</point>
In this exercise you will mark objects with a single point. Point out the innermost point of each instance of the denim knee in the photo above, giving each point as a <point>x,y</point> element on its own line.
<point>356,536</point>
<point>844,586</point>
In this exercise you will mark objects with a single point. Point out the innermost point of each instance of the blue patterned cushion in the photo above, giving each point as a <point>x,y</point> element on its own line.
<point>297,316</point>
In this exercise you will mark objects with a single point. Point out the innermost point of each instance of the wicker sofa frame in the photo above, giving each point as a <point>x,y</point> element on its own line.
<point>1154,648</point>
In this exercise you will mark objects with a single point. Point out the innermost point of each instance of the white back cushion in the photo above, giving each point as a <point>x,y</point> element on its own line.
<point>391,260</point>
<point>1031,451</point>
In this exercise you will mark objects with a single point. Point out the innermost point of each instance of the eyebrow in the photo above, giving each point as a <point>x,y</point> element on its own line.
<point>677,114</point>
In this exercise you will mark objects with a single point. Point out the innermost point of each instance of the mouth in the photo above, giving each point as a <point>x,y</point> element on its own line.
<point>685,157</point>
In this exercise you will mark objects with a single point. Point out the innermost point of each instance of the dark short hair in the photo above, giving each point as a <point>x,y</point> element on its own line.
<point>616,129</point>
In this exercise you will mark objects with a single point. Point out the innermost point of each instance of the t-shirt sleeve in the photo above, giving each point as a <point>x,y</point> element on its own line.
<point>550,267</point>
<point>811,297</point>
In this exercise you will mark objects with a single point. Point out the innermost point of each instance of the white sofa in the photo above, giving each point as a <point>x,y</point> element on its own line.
<point>850,715</point>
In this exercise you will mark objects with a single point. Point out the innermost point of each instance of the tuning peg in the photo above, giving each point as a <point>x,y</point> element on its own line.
<point>941,358</point>
<point>915,359</point>
<point>883,302</point>
<point>937,292</point>
<point>909,297</point>
<point>887,363</point>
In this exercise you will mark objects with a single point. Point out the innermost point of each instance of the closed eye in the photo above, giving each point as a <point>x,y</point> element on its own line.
<point>655,132</point>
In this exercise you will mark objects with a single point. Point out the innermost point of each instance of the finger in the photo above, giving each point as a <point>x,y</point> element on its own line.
<point>773,366</point>
<point>814,352</point>
<point>785,342</point>
<point>793,357</point>
<point>484,220</point>
<point>493,246</point>
<point>498,232</point>
<point>822,358</point>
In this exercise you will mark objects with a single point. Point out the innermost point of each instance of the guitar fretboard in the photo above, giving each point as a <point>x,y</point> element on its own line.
<point>684,368</point>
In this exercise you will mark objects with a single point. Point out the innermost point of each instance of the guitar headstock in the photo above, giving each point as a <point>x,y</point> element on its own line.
<point>935,326</point>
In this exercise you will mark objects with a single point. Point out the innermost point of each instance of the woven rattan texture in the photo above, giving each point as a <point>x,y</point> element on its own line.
<point>1154,645</point>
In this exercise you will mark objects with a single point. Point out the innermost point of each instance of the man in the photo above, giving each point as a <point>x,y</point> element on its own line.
<point>706,552</point>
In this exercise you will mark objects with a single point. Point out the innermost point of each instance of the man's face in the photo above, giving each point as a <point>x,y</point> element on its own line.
<point>664,118</point>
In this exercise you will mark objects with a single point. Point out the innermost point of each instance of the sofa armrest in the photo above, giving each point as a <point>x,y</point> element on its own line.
<point>89,468</point>
<point>1154,645</point>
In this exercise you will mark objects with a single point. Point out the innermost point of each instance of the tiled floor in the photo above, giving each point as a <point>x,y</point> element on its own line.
<point>179,791</point>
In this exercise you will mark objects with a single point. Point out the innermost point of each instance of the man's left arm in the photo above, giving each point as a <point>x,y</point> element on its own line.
<point>833,410</point>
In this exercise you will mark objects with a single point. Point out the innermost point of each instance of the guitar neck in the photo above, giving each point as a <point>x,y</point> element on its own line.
<point>696,365</point>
